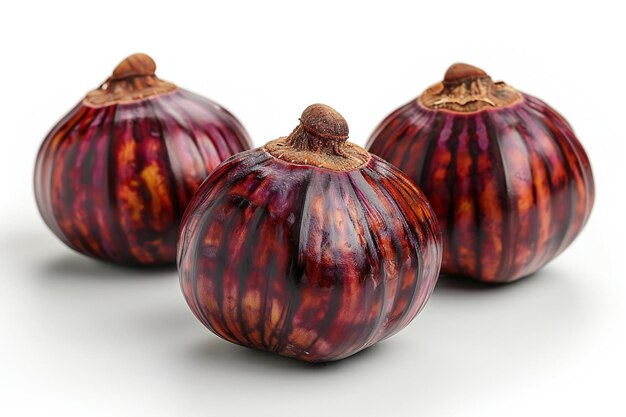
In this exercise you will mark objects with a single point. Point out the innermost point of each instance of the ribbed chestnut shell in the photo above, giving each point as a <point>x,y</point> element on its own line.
<point>511,186</point>
<point>112,182</point>
<point>307,262</point>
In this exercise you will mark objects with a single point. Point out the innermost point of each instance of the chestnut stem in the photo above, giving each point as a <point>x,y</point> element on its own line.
<point>322,129</point>
<point>466,88</point>
<point>133,79</point>
<point>320,140</point>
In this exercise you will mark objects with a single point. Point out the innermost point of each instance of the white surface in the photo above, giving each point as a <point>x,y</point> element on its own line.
<point>81,338</point>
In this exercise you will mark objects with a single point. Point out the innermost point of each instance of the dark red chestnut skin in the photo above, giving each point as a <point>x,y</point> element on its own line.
<point>509,181</point>
<point>315,263</point>
<point>114,176</point>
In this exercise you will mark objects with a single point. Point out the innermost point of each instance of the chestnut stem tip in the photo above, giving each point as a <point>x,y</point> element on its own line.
<point>325,122</point>
<point>138,64</point>
<point>459,71</point>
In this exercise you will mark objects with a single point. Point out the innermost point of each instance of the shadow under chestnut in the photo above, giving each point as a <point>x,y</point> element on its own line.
<point>218,352</point>
<point>76,266</point>
<point>134,323</point>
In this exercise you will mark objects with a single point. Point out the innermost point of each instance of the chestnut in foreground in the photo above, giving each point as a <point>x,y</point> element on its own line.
<point>308,247</point>
<point>114,176</point>
<point>510,183</point>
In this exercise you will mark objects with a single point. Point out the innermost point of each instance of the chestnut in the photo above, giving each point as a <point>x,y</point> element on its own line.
<point>113,177</point>
<point>509,181</point>
<point>308,247</point>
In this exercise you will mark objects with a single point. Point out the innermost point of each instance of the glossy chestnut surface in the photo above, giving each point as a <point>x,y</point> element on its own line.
<point>307,262</point>
<point>114,176</point>
<point>510,183</point>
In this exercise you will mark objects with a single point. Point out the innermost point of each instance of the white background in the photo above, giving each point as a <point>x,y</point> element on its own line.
<point>83,338</point>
